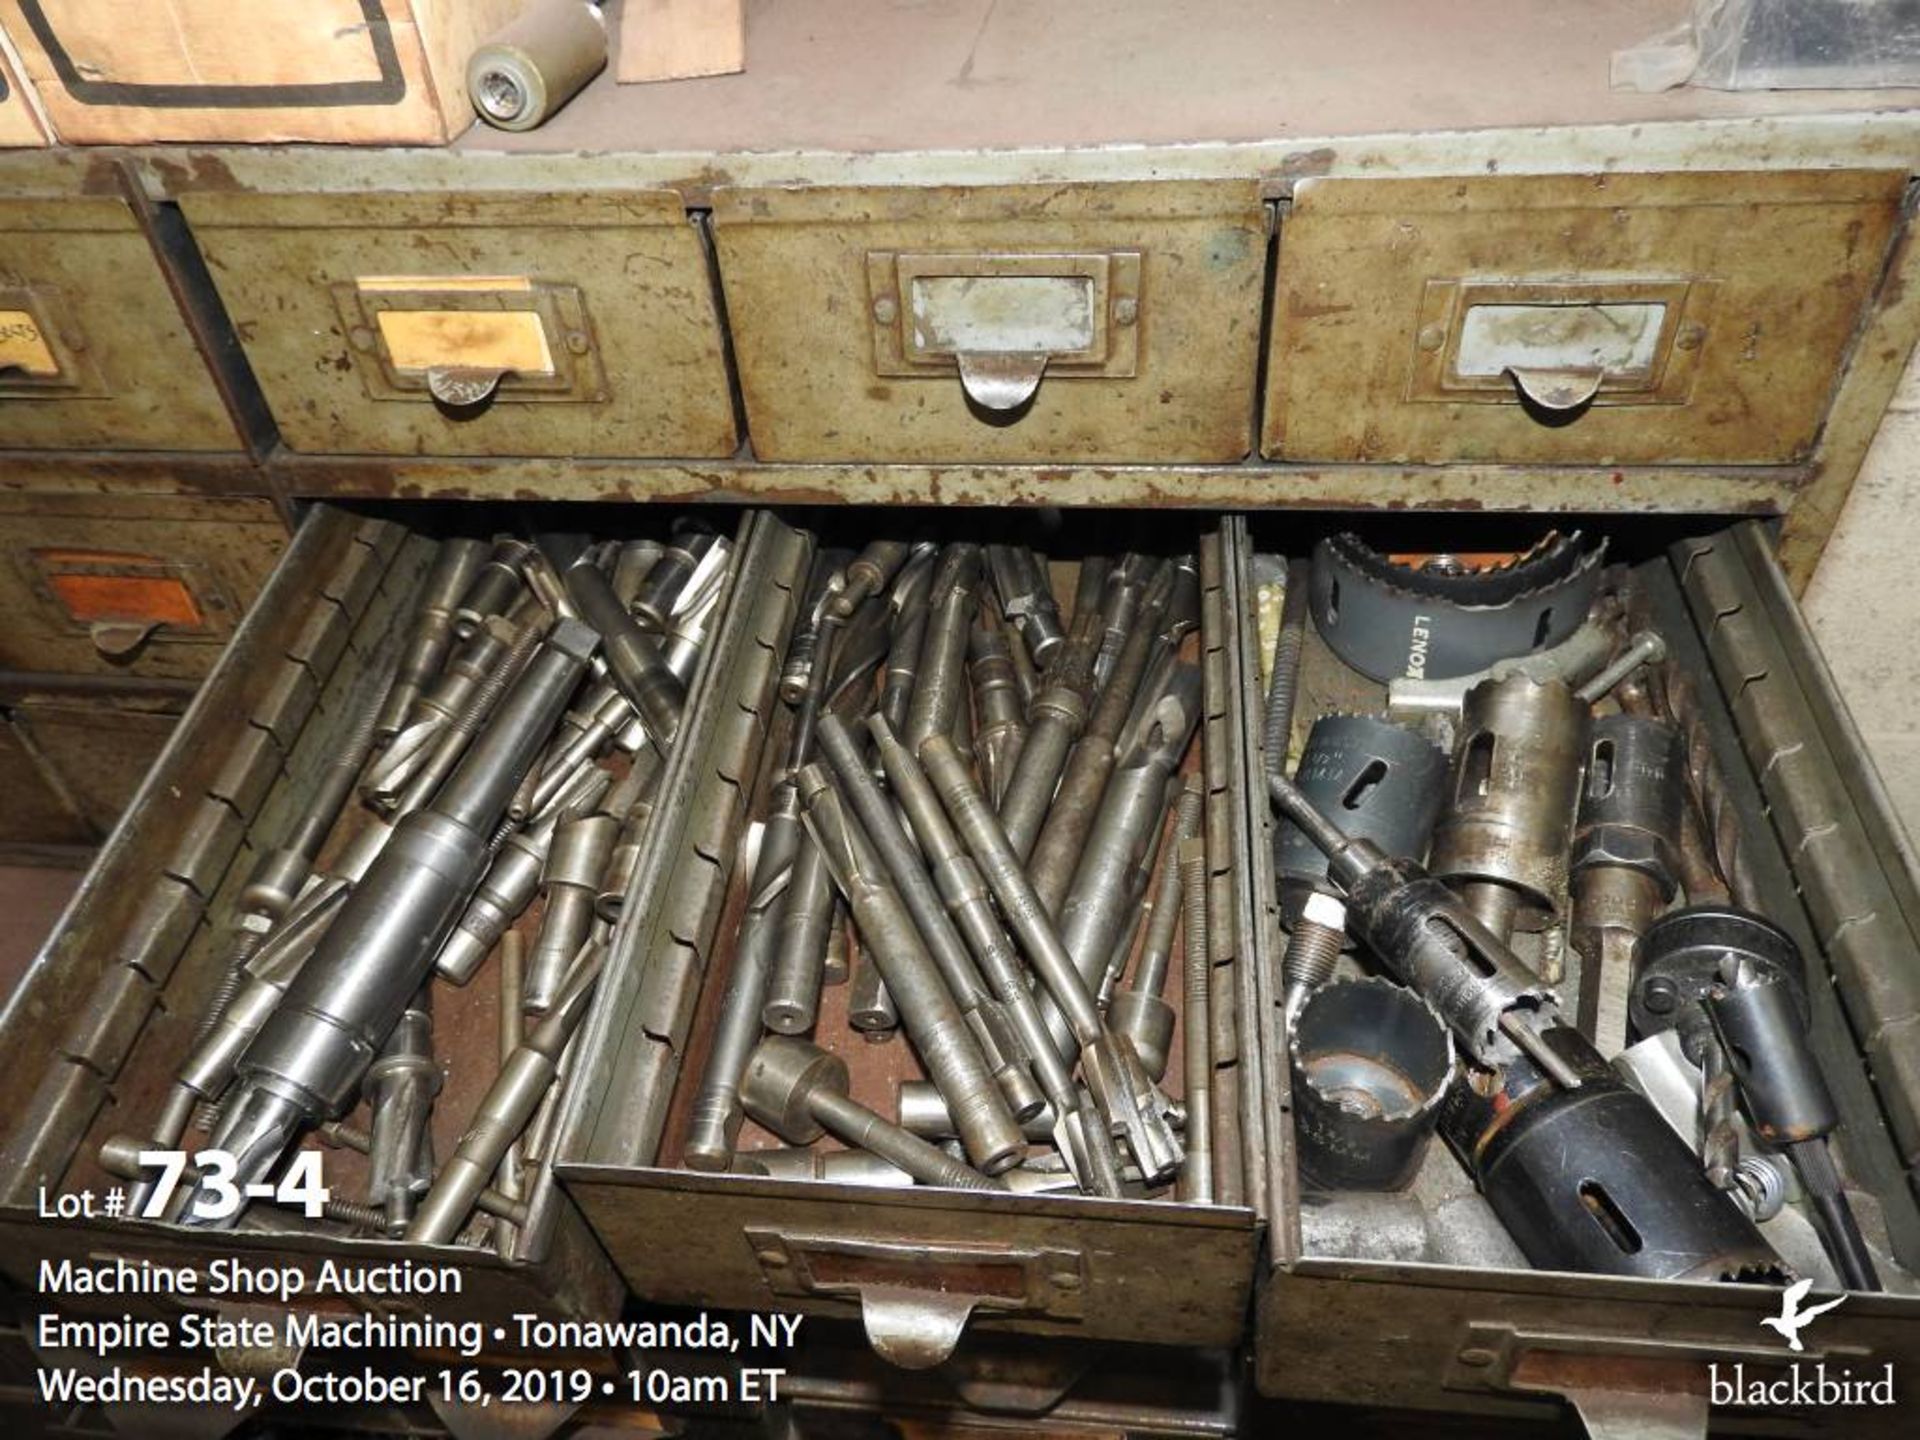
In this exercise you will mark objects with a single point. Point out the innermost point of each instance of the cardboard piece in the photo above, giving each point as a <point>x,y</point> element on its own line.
<point>680,39</point>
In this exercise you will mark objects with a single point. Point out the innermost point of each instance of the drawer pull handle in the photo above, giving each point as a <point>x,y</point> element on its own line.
<point>1003,322</point>
<point>1562,393</point>
<point>1623,1388</point>
<point>463,387</point>
<point>118,640</point>
<point>1001,382</point>
<point>916,1297</point>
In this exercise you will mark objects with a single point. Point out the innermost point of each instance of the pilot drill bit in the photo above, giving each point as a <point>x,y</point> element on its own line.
<point>1137,1011</point>
<point>511,882</point>
<point>311,1054</point>
<point>658,593</point>
<point>1063,834</point>
<point>454,567</point>
<point>1059,715</point>
<point>400,1088</point>
<point>1386,783</point>
<point>582,845</point>
<point>493,588</point>
<point>1003,716</point>
<point>633,656</point>
<point>800,945</point>
<point>869,573</point>
<point>1129,1102</point>
<point>907,604</point>
<point>941,683</point>
<point>714,1125</point>
<point>988,1020</point>
<point>1117,860</point>
<point>1026,599</point>
<point>1707,786</point>
<point>946,1044</point>
<point>1080,1135</point>
<point>503,1115</point>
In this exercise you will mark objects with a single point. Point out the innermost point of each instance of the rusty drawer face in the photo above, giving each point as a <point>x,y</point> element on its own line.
<point>94,352</point>
<point>920,1267</point>
<point>1057,323</point>
<point>147,586</point>
<point>1614,319</point>
<point>121,986</point>
<point>1407,1299</point>
<point>498,323</point>
<point>89,743</point>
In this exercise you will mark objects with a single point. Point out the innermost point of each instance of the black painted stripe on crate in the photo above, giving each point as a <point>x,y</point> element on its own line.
<point>389,89</point>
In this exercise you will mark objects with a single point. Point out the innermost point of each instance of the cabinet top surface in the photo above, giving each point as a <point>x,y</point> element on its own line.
<point>913,75</point>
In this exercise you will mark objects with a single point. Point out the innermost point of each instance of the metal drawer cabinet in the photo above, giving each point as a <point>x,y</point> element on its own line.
<point>96,352</point>
<point>1390,1299</point>
<point>77,749</point>
<point>449,322</point>
<point>1114,322</point>
<point>107,1012</point>
<point>928,1271</point>
<point>122,585</point>
<point>1610,319</point>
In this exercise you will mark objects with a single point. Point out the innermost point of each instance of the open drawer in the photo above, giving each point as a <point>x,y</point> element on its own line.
<point>1420,1298</point>
<point>922,1266</point>
<point>101,1023</point>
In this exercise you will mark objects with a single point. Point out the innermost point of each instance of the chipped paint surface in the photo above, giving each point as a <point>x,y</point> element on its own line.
<point>1372,354</point>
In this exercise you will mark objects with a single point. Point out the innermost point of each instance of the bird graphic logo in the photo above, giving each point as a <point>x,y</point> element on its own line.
<point>1792,1319</point>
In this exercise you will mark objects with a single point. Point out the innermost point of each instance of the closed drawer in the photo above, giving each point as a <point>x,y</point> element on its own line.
<point>1612,319</point>
<point>114,585</point>
<point>921,1267</point>
<point>1068,322</point>
<point>37,813</point>
<point>94,351</point>
<point>1436,1306</point>
<point>498,323</point>
<point>92,741</point>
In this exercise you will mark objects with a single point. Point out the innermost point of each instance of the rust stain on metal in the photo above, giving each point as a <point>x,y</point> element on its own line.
<point>1389,344</point>
<point>1162,373</point>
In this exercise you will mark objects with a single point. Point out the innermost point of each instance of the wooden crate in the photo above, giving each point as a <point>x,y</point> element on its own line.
<point>125,72</point>
<point>19,117</point>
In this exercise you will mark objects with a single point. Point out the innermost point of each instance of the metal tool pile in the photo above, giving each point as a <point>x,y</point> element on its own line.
<point>1539,810</point>
<point>992,792</point>
<point>490,798</point>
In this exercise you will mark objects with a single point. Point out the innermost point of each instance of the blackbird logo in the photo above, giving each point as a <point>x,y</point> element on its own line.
<point>1792,1320</point>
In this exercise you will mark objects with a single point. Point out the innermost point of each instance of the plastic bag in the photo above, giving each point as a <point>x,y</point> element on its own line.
<point>1780,45</point>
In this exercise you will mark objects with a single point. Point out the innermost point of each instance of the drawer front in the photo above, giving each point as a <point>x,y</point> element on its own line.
<point>1343,1317</point>
<point>149,586</point>
<point>921,1268</point>
<point>475,324</point>
<point>94,352</point>
<point>38,810</point>
<point>1616,319</point>
<point>1068,323</point>
<point>100,747</point>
